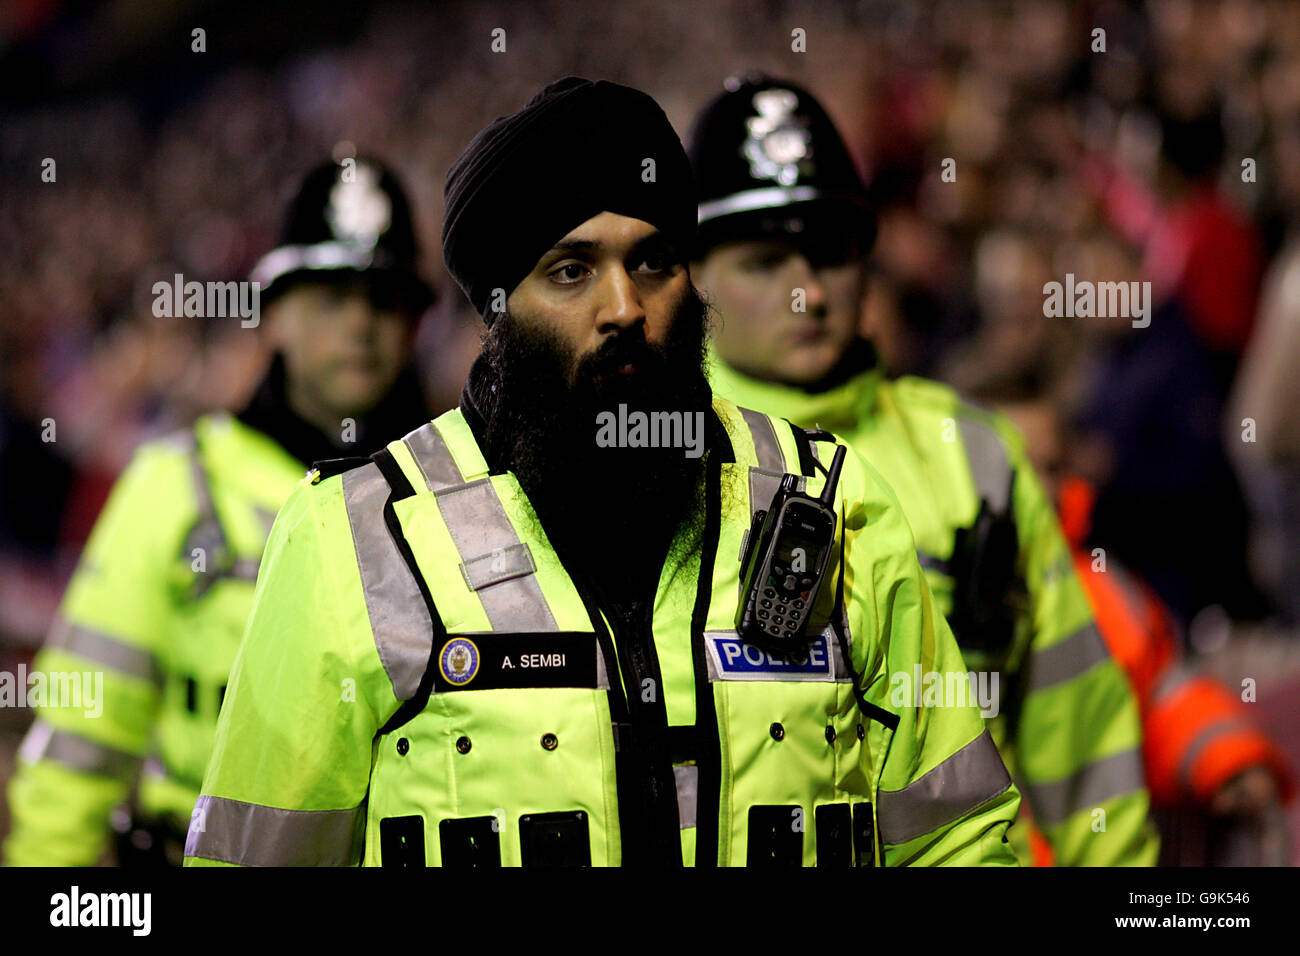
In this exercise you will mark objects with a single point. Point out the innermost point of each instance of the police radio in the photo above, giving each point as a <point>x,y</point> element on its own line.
<point>785,558</point>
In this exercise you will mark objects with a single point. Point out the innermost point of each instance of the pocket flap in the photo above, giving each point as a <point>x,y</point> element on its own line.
<point>497,566</point>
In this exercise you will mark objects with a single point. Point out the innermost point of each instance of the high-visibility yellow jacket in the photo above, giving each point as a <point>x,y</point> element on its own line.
<point>153,616</point>
<point>423,682</point>
<point>1067,723</point>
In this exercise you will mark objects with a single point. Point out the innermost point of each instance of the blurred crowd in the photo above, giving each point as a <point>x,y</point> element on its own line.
<point>1147,141</point>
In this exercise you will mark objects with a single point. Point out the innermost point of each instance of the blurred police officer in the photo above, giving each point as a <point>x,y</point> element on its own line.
<point>503,641</point>
<point>162,593</point>
<point>785,229</point>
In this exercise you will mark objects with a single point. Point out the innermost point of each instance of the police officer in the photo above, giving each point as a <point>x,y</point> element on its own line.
<point>506,640</point>
<point>164,588</point>
<point>784,231</point>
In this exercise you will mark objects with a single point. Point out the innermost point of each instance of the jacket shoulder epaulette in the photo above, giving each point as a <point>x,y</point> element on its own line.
<point>329,467</point>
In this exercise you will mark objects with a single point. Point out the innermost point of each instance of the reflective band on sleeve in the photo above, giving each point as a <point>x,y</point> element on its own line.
<point>479,527</point>
<point>102,649</point>
<point>1067,659</point>
<point>1172,679</point>
<point>968,779</point>
<point>433,458</point>
<point>765,443</point>
<point>399,618</point>
<point>1193,752</point>
<point>248,834</point>
<point>245,570</point>
<point>1099,781</point>
<point>988,463</point>
<point>687,778</point>
<point>43,742</point>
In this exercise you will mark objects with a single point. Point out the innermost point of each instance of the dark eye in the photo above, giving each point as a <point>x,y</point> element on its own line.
<point>569,273</point>
<point>654,262</point>
<point>767,261</point>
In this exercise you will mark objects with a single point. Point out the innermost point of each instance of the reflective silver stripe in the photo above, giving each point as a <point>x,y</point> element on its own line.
<point>1201,741</point>
<point>479,528</point>
<point>245,570</point>
<point>763,486</point>
<point>433,457</point>
<point>43,742</point>
<point>687,779</point>
<point>769,197</point>
<point>1170,681</point>
<point>242,569</point>
<point>988,463</point>
<point>968,779</point>
<point>399,618</point>
<point>1089,787</point>
<point>765,443</point>
<point>231,831</point>
<point>1067,659</point>
<point>102,649</point>
<point>202,493</point>
<point>512,562</point>
<point>494,562</point>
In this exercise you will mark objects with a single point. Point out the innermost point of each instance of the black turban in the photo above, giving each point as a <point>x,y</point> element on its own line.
<point>576,150</point>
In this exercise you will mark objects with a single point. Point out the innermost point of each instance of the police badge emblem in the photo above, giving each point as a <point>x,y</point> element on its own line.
<point>779,146</point>
<point>359,210</point>
<point>458,661</point>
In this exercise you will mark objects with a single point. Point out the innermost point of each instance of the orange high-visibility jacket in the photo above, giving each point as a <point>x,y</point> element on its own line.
<point>1196,735</point>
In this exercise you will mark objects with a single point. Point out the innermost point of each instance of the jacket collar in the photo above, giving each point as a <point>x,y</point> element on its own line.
<point>268,411</point>
<point>838,408</point>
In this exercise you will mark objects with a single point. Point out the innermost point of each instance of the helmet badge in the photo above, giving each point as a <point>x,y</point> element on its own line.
<point>779,146</point>
<point>359,211</point>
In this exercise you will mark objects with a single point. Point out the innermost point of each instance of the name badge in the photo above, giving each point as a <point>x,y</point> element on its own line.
<point>500,661</point>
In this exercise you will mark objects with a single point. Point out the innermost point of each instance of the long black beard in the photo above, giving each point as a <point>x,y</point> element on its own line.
<point>615,513</point>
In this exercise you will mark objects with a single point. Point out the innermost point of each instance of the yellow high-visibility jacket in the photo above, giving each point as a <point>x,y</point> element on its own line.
<point>1066,721</point>
<point>423,682</point>
<point>150,622</point>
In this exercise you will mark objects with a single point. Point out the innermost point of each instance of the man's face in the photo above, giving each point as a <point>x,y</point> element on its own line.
<point>343,346</point>
<point>752,286</point>
<point>608,317</point>
<point>611,277</point>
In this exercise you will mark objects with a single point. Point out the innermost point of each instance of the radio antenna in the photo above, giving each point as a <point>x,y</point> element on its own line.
<point>833,476</point>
